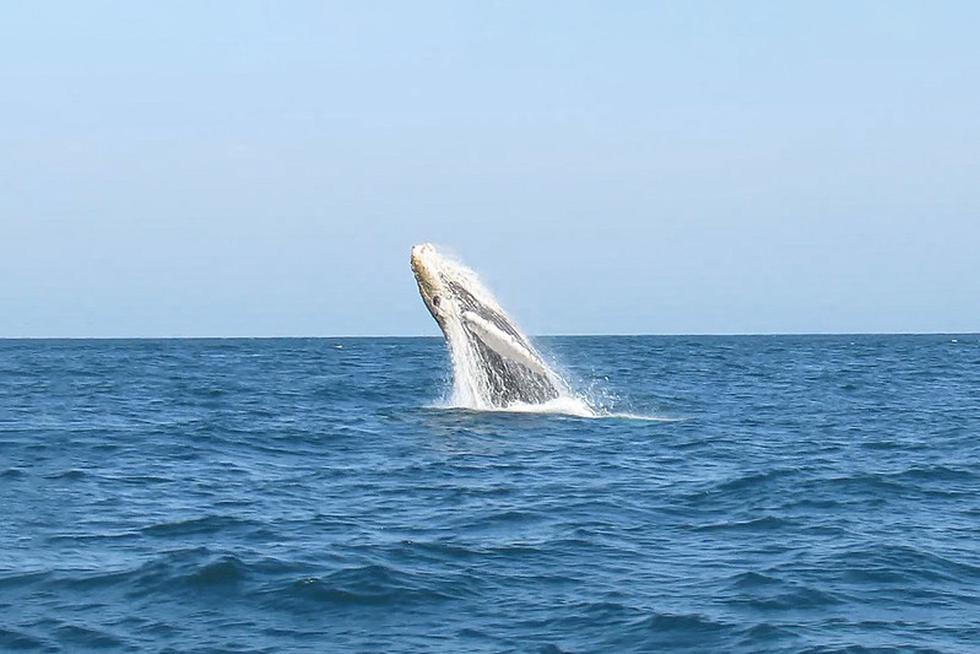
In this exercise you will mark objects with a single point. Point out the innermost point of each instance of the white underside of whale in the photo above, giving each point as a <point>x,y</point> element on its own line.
<point>503,343</point>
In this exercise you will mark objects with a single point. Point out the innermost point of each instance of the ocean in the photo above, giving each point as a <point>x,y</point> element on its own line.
<point>735,494</point>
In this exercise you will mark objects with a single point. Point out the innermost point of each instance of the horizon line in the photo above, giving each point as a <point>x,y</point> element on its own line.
<point>553,335</point>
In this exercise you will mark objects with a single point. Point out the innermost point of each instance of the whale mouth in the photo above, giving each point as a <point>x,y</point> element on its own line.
<point>495,365</point>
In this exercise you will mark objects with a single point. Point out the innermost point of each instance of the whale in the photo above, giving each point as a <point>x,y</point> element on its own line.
<point>494,363</point>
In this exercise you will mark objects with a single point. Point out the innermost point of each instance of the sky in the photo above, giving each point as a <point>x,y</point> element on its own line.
<point>263,168</point>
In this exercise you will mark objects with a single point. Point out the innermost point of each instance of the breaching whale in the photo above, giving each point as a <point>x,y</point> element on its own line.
<point>494,364</point>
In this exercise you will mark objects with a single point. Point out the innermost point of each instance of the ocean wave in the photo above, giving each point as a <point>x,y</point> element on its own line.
<point>373,584</point>
<point>793,599</point>
<point>900,564</point>
<point>86,637</point>
<point>766,523</point>
<point>199,526</point>
<point>668,630</point>
<point>193,569</point>
<point>12,640</point>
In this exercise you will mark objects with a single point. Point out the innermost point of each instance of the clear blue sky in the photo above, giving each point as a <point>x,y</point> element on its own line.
<point>242,168</point>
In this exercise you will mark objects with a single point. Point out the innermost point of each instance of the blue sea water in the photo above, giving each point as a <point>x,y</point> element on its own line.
<point>809,494</point>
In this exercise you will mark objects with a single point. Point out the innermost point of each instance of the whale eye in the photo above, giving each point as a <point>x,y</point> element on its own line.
<point>436,300</point>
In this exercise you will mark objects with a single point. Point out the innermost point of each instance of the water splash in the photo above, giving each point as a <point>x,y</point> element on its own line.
<point>495,365</point>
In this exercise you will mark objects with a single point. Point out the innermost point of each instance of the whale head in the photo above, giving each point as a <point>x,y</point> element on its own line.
<point>428,266</point>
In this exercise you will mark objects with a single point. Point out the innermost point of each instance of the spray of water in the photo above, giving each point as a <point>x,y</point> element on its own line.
<point>495,365</point>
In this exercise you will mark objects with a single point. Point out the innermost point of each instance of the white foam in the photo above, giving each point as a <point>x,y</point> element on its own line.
<point>563,406</point>
<point>566,406</point>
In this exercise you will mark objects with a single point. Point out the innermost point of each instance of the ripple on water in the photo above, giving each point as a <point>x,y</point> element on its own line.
<point>202,526</point>
<point>374,585</point>
<point>14,641</point>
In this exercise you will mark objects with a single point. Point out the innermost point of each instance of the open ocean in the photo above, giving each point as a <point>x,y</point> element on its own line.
<point>768,494</point>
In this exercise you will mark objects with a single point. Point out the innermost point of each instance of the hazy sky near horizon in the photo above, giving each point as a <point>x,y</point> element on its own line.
<point>245,168</point>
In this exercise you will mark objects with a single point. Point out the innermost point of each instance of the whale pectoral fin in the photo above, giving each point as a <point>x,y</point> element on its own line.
<point>503,343</point>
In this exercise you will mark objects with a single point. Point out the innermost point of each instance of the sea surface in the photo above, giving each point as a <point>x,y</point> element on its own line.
<point>746,494</point>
